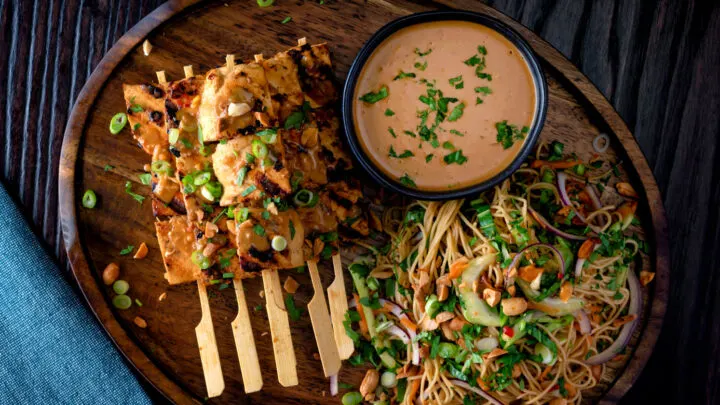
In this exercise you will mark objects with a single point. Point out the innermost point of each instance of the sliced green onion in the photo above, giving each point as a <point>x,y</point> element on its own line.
<point>388,379</point>
<point>259,149</point>
<point>580,169</point>
<point>215,189</point>
<point>145,178</point>
<point>248,190</point>
<point>205,192</point>
<point>200,260</point>
<point>265,3</point>
<point>173,135</point>
<point>161,166</point>
<point>122,301</point>
<point>138,302</point>
<point>432,306</point>
<point>228,275</point>
<point>242,214</point>
<point>117,123</point>
<point>279,243</point>
<point>121,287</point>
<point>202,178</point>
<point>241,175</point>
<point>268,136</point>
<point>189,184</point>
<point>352,398</point>
<point>205,150</point>
<point>89,199</point>
<point>305,198</point>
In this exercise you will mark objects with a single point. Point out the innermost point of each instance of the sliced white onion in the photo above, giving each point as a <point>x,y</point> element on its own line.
<point>627,330</point>
<point>581,262</point>
<point>466,386</point>
<point>593,197</point>
<point>395,331</point>
<point>584,321</point>
<point>487,344</point>
<point>596,143</point>
<point>333,385</point>
<point>396,310</point>
<point>546,224</point>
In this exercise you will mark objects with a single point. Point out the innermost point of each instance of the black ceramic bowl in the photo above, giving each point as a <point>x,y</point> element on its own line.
<point>403,22</point>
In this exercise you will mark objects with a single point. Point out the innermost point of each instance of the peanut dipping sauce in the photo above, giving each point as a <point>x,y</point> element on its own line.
<point>462,62</point>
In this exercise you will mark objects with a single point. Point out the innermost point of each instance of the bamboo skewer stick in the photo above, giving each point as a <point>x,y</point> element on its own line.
<point>337,297</point>
<point>285,361</point>
<point>241,326</point>
<point>322,326</point>
<point>209,356</point>
<point>161,77</point>
<point>205,331</point>
<point>245,343</point>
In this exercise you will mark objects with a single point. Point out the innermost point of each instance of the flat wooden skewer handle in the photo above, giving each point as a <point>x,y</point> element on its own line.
<point>245,343</point>
<point>209,356</point>
<point>285,361</point>
<point>338,307</point>
<point>322,325</point>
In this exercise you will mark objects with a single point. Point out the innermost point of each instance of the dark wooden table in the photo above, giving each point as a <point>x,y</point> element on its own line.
<point>657,61</point>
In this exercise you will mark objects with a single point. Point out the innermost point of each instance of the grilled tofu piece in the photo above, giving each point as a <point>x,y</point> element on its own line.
<point>284,85</point>
<point>343,201</point>
<point>315,73</point>
<point>255,232</point>
<point>146,115</point>
<point>234,102</point>
<point>177,237</point>
<point>246,178</point>
<point>167,199</point>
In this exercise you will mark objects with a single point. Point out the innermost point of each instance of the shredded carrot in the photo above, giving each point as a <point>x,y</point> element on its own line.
<point>482,384</point>
<point>361,311</point>
<point>565,164</point>
<point>414,387</point>
<point>408,324</point>
<point>457,268</point>
<point>586,248</point>
<point>545,372</point>
<point>623,320</point>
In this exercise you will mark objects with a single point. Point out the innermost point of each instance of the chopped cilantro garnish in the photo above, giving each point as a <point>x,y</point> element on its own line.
<point>484,90</point>
<point>407,181</point>
<point>292,310</point>
<point>259,230</point>
<point>457,82</point>
<point>392,132</point>
<point>286,20</point>
<point>421,53</point>
<point>403,75</point>
<point>372,98</point>
<point>429,157</point>
<point>456,132</point>
<point>455,157</point>
<point>409,133</point>
<point>456,112</point>
<point>127,250</point>
<point>507,134</point>
<point>448,145</point>
<point>145,178</point>
<point>137,197</point>
<point>420,66</point>
<point>109,167</point>
<point>389,112</point>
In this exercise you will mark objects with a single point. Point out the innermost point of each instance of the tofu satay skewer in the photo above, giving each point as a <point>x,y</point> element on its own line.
<point>285,360</point>
<point>241,326</point>
<point>205,332</point>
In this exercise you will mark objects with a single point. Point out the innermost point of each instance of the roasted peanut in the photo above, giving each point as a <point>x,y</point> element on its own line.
<point>141,323</point>
<point>492,297</point>
<point>111,273</point>
<point>514,306</point>
<point>141,252</point>
<point>370,382</point>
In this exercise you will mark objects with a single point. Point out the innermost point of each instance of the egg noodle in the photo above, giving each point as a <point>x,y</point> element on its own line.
<point>459,270</point>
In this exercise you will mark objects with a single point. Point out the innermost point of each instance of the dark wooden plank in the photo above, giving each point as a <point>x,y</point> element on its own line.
<point>661,46</point>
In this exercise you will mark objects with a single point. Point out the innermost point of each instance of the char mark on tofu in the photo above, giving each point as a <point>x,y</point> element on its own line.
<point>260,255</point>
<point>315,72</point>
<point>154,91</point>
<point>171,108</point>
<point>271,188</point>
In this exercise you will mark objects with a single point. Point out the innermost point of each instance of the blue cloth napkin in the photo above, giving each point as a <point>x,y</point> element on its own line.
<point>52,350</point>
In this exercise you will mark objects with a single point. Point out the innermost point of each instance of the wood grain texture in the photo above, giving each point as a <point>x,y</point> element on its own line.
<point>656,61</point>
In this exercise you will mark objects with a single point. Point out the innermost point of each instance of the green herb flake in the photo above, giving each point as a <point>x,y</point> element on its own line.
<point>403,75</point>
<point>482,50</point>
<point>137,197</point>
<point>127,250</point>
<point>421,53</point>
<point>373,98</point>
<point>456,132</point>
<point>429,157</point>
<point>484,90</point>
<point>420,66</point>
<point>108,168</point>
<point>457,82</point>
<point>448,145</point>
<point>292,310</point>
<point>410,133</point>
<point>389,112</point>
<point>136,126</point>
<point>286,20</point>
<point>392,132</point>
<point>145,178</point>
<point>407,181</point>
<point>507,134</point>
<point>455,157</point>
<point>456,112</point>
<point>259,230</point>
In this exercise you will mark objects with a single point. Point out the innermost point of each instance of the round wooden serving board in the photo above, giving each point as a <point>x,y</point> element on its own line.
<point>183,33</point>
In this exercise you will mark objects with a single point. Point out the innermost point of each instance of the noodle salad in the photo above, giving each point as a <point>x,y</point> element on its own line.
<point>522,295</point>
